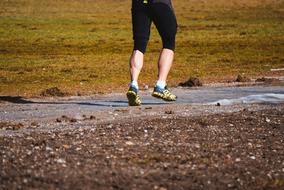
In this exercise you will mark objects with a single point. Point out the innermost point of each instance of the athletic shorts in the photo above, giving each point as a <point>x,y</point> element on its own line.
<point>161,13</point>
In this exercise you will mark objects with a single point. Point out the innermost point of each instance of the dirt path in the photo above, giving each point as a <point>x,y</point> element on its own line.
<point>77,143</point>
<point>21,110</point>
<point>240,150</point>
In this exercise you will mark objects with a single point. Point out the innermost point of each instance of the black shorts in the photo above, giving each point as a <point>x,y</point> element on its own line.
<point>162,14</point>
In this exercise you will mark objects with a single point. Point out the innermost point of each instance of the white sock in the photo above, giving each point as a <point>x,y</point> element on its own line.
<point>161,84</point>
<point>134,83</point>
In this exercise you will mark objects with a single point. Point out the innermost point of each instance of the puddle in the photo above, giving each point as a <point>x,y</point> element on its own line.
<point>260,98</point>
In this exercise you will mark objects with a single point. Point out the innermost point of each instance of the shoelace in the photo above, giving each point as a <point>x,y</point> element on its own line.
<point>138,99</point>
<point>168,93</point>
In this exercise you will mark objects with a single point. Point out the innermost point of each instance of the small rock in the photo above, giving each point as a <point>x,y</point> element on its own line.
<point>267,120</point>
<point>145,87</point>
<point>162,188</point>
<point>129,143</point>
<point>60,161</point>
<point>58,120</point>
<point>73,120</point>
<point>48,148</point>
<point>92,117</point>
<point>197,145</point>
<point>66,146</point>
<point>169,112</point>
<point>238,160</point>
<point>34,125</point>
<point>252,157</point>
<point>242,78</point>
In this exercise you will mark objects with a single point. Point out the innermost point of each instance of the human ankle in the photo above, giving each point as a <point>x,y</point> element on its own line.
<point>134,84</point>
<point>161,84</point>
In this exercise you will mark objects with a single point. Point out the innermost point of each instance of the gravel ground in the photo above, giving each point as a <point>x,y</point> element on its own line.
<point>243,149</point>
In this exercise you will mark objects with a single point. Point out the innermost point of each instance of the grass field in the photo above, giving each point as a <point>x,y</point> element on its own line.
<point>84,46</point>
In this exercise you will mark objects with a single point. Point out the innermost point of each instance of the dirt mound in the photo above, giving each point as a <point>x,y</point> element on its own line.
<point>191,82</point>
<point>54,91</point>
<point>267,80</point>
<point>242,78</point>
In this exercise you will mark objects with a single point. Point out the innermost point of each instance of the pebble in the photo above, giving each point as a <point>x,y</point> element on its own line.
<point>238,159</point>
<point>197,145</point>
<point>48,148</point>
<point>267,120</point>
<point>252,157</point>
<point>61,161</point>
<point>129,143</point>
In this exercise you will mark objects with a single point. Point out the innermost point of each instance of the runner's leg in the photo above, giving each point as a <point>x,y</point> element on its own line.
<point>141,23</point>
<point>165,21</point>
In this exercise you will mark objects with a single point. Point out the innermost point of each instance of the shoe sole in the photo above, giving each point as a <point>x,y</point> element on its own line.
<point>161,98</point>
<point>131,96</point>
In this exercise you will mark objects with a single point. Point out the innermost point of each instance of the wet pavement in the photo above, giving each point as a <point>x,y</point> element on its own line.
<point>20,109</point>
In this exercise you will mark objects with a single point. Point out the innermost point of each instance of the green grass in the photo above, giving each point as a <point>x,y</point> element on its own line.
<point>84,46</point>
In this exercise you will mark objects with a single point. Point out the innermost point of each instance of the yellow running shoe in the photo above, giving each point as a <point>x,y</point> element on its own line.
<point>164,94</point>
<point>133,97</point>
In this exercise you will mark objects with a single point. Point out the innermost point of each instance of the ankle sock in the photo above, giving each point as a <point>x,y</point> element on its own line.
<point>161,84</point>
<point>134,84</point>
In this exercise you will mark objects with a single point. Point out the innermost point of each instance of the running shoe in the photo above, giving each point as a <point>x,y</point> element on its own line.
<point>133,97</point>
<point>164,94</point>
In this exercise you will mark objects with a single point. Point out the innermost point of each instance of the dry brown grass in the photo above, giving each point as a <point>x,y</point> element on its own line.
<point>83,46</point>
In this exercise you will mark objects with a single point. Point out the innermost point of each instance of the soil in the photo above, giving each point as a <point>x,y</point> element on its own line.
<point>239,150</point>
<point>268,80</point>
<point>242,78</point>
<point>54,91</point>
<point>191,82</point>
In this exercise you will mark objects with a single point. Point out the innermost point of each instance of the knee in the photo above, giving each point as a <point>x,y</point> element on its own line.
<point>169,38</point>
<point>140,44</point>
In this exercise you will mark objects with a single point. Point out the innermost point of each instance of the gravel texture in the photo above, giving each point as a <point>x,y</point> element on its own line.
<point>242,149</point>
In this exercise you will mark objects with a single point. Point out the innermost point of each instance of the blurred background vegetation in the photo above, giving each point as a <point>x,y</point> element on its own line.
<point>83,46</point>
